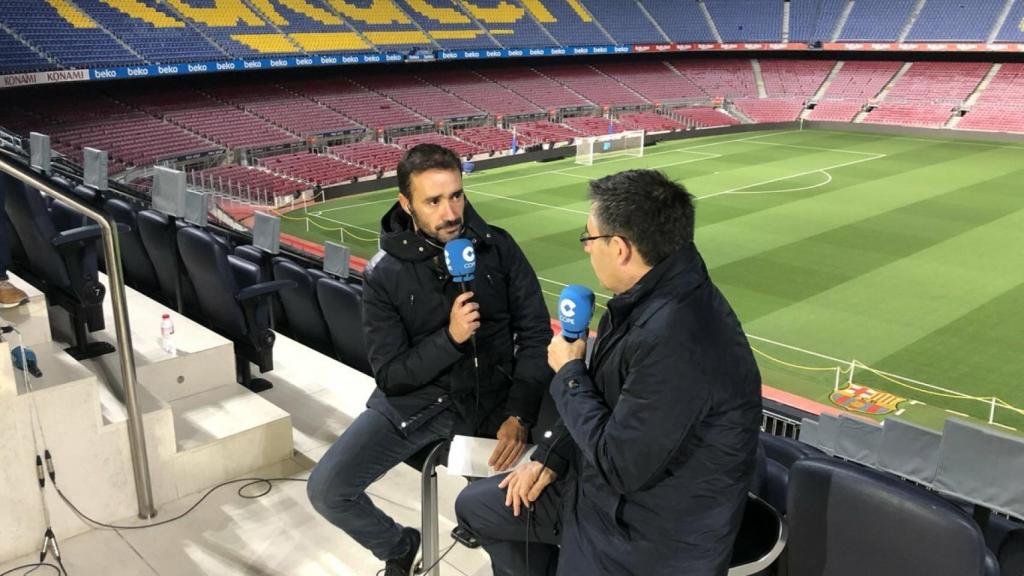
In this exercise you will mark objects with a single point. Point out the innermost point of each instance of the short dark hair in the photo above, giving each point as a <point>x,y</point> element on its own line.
<point>654,213</point>
<point>423,157</point>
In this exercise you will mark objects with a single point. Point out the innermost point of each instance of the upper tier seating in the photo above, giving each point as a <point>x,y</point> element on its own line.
<point>814,20</point>
<point>448,25</point>
<point>571,23</point>
<point>592,85</point>
<point>880,20</point>
<point>1013,28</point>
<point>956,20</point>
<point>375,155</point>
<point>682,21</point>
<point>152,31</point>
<point>747,20</point>
<point>624,22</point>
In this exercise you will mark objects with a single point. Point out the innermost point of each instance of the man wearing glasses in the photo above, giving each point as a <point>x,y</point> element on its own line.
<point>647,471</point>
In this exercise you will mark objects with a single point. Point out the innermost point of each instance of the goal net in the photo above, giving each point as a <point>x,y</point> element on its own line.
<point>629,143</point>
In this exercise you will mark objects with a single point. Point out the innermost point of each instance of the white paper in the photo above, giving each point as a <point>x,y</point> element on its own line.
<point>468,456</point>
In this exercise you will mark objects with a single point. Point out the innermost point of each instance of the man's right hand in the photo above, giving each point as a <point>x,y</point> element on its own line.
<point>464,319</point>
<point>525,484</point>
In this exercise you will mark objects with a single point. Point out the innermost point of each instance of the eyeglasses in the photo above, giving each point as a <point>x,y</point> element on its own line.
<point>584,238</point>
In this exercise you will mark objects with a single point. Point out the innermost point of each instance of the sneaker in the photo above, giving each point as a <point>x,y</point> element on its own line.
<point>402,566</point>
<point>10,295</point>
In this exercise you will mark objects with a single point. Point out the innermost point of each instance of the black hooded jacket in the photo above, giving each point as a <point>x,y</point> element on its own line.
<point>420,371</point>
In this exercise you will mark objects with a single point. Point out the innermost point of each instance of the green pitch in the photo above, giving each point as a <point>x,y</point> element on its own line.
<point>904,254</point>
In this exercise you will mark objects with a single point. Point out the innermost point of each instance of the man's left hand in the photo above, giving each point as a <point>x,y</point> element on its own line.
<point>561,352</point>
<point>511,444</point>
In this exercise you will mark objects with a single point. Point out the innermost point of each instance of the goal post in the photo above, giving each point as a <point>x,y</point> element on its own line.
<point>628,143</point>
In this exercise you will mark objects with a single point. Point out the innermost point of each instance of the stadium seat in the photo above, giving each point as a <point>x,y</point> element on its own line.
<point>138,268</point>
<point>780,455</point>
<point>234,300</point>
<point>62,263</point>
<point>858,440</point>
<point>761,538</point>
<point>848,520</point>
<point>304,317</point>
<point>159,237</point>
<point>342,307</point>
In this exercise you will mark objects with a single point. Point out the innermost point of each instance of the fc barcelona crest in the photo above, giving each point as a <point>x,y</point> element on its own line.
<point>858,398</point>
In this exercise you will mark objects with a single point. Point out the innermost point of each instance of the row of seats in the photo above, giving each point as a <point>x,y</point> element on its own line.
<point>246,182</point>
<point>91,33</point>
<point>315,169</point>
<point>377,156</point>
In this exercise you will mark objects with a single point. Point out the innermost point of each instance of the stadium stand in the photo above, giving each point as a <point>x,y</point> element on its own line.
<point>569,22</point>
<point>649,122</point>
<point>593,125</point>
<point>488,96</point>
<point>1013,28</point>
<point>836,110</point>
<point>246,182</point>
<point>770,109</point>
<point>60,30</point>
<point>152,31</point>
<point>235,27</point>
<point>487,138</point>
<point>426,100</point>
<point>682,21</point>
<point>877,19</point>
<point>652,80</point>
<point>308,27</point>
<point>461,148</point>
<point>720,78</point>
<point>535,87</point>
<point>635,28</point>
<point>509,23</point>
<point>956,20</point>
<point>704,117</point>
<point>374,155</point>
<point>794,78</point>
<point>536,132</point>
<point>860,80</point>
<point>449,26</point>
<point>592,85</point>
<point>927,94</point>
<point>282,108</point>
<point>314,168</point>
<point>747,20</point>
<point>999,108</point>
<point>20,57</point>
<point>370,109</point>
<point>814,20</point>
<point>921,114</point>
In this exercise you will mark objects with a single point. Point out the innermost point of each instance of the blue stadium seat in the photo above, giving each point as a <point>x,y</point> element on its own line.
<point>1013,28</point>
<point>138,268</point>
<point>571,28</point>
<point>159,237</point>
<point>448,25</point>
<point>301,308</point>
<point>19,57</point>
<point>956,20</point>
<point>813,20</point>
<point>747,20</point>
<point>880,20</point>
<point>342,307</point>
<point>625,23</point>
<point>682,21</point>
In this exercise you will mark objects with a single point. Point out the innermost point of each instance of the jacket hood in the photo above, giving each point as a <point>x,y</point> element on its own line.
<point>399,238</point>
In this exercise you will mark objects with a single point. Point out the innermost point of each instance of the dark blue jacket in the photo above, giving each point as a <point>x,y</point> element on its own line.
<point>663,427</point>
<point>407,298</point>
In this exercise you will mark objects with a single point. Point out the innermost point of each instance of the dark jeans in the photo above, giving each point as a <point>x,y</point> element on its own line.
<point>481,509</point>
<point>365,451</point>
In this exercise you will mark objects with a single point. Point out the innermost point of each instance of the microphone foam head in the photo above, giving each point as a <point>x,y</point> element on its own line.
<point>460,258</point>
<point>575,309</point>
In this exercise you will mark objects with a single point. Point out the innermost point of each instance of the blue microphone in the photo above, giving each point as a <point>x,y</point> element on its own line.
<point>30,360</point>
<point>460,258</point>
<point>575,309</point>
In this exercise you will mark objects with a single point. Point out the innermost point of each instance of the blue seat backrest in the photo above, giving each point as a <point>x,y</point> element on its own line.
<point>342,306</point>
<point>300,304</point>
<point>31,220</point>
<point>207,262</point>
<point>135,261</point>
<point>161,245</point>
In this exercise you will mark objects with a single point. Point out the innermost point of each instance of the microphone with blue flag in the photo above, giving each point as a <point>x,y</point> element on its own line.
<point>460,258</point>
<point>575,309</point>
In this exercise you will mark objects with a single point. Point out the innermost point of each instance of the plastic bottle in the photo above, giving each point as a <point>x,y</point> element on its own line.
<point>167,334</point>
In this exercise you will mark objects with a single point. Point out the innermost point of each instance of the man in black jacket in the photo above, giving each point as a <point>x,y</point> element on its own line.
<point>647,472</point>
<point>445,362</point>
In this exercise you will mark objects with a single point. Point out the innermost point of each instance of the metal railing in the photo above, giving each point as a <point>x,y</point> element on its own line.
<point>112,252</point>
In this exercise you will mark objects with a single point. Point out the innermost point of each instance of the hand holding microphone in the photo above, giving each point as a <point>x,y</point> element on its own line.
<point>464,318</point>
<point>575,309</point>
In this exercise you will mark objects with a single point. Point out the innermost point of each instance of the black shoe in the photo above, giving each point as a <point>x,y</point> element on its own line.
<point>402,566</point>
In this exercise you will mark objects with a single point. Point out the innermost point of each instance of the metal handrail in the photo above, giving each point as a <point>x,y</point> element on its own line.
<point>112,251</point>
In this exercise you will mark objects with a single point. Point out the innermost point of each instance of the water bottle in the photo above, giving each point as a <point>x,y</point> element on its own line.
<point>167,334</point>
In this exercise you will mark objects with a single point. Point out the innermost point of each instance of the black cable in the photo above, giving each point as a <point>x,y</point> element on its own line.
<point>249,482</point>
<point>424,571</point>
<point>34,566</point>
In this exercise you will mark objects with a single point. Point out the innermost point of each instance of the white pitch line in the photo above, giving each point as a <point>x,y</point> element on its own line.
<point>374,232</point>
<point>957,413</point>
<point>816,148</point>
<point>734,190</point>
<point>800,189</point>
<point>559,295</point>
<point>563,285</point>
<point>511,199</point>
<point>389,199</point>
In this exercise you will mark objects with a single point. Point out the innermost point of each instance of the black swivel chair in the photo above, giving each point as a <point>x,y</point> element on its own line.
<point>61,263</point>
<point>847,520</point>
<point>301,309</point>
<point>234,300</point>
<point>342,306</point>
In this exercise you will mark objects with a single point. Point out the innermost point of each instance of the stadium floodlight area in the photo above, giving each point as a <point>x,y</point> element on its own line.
<point>628,143</point>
